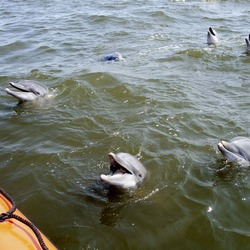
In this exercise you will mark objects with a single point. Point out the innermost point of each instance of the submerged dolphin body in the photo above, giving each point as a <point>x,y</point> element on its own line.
<point>126,171</point>
<point>212,37</point>
<point>236,150</point>
<point>29,90</point>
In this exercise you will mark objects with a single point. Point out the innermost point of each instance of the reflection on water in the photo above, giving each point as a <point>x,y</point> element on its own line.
<point>117,201</point>
<point>114,199</point>
<point>232,173</point>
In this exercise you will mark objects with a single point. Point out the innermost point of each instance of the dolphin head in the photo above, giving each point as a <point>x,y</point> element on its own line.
<point>247,39</point>
<point>28,90</point>
<point>126,171</point>
<point>212,37</point>
<point>237,150</point>
<point>114,57</point>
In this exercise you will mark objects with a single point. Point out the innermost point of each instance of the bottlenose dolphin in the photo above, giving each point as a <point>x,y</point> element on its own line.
<point>115,57</point>
<point>126,171</point>
<point>247,39</point>
<point>237,150</point>
<point>29,90</point>
<point>212,37</point>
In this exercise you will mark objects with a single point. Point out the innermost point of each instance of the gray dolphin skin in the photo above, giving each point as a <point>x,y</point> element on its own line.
<point>28,90</point>
<point>212,37</point>
<point>236,150</point>
<point>113,57</point>
<point>126,171</point>
<point>247,39</point>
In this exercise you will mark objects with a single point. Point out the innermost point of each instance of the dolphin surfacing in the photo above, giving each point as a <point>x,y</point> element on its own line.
<point>247,39</point>
<point>236,150</point>
<point>28,90</point>
<point>113,57</point>
<point>126,171</point>
<point>212,37</point>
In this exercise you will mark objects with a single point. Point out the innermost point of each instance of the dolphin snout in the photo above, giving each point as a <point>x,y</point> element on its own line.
<point>224,144</point>
<point>226,147</point>
<point>212,37</point>
<point>212,31</point>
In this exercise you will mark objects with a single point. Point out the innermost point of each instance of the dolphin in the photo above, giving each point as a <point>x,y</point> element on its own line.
<point>126,171</point>
<point>212,37</point>
<point>236,150</point>
<point>29,90</point>
<point>113,57</point>
<point>247,39</point>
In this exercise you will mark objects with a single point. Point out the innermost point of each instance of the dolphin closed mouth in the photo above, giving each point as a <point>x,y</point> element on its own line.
<point>28,90</point>
<point>236,150</point>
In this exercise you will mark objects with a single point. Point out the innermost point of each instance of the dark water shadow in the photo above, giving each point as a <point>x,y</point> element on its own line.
<point>22,107</point>
<point>111,213</point>
<point>230,172</point>
<point>116,201</point>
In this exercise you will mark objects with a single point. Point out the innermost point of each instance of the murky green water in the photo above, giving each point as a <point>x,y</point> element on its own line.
<point>169,103</point>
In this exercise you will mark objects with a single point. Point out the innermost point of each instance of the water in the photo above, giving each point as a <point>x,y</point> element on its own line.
<point>169,103</point>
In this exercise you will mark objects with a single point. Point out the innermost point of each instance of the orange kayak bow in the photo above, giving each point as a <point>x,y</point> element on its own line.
<point>16,231</point>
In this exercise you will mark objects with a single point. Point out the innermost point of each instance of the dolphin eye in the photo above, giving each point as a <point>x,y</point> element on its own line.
<point>139,175</point>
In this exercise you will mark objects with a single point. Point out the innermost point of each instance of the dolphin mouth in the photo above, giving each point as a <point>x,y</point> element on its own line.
<point>211,31</point>
<point>28,90</point>
<point>118,169</point>
<point>125,170</point>
<point>223,147</point>
<point>121,171</point>
<point>229,152</point>
<point>19,87</point>
<point>115,167</point>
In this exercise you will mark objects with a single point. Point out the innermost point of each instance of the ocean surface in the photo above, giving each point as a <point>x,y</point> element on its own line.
<point>168,103</point>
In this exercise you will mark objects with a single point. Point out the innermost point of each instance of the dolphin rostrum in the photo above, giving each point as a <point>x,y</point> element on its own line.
<point>28,90</point>
<point>236,150</point>
<point>212,37</point>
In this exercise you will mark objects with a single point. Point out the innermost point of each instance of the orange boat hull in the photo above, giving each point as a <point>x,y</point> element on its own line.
<point>15,234</point>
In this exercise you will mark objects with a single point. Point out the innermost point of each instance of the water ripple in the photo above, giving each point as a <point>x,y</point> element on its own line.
<point>169,103</point>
